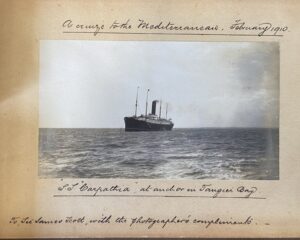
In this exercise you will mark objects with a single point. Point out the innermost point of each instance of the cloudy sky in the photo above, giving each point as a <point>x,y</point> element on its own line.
<point>92,84</point>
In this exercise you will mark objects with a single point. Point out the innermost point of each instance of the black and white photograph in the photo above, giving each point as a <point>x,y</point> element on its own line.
<point>159,110</point>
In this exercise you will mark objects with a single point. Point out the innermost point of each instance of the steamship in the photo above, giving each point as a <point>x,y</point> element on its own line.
<point>148,122</point>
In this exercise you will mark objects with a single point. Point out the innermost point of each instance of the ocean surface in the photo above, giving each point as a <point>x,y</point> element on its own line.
<point>201,153</point>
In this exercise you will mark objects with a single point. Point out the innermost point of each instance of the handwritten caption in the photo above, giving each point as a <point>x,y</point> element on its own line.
<point>139,26</point>
<point>148,222</point>
<point>83,188</point>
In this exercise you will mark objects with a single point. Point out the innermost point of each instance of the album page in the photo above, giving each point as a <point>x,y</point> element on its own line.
<point>149,118</point>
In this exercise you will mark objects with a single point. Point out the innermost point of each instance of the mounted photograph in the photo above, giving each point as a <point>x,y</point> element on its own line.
<point>159,110</point>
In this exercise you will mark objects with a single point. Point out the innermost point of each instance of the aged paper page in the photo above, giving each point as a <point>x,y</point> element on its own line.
<point>223,76</point>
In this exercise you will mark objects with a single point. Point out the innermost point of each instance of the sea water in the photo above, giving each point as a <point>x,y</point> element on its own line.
<point>200,153</point>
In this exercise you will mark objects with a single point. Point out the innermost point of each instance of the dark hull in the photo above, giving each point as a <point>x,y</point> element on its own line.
<point>132,124</point>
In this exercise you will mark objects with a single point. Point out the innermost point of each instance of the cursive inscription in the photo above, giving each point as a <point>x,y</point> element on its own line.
<point>94,28</point>
<point>142,26</point>
<point>83,188</point>
<point>260,29</point>
<point>148,221</point>
<point>169,26</point>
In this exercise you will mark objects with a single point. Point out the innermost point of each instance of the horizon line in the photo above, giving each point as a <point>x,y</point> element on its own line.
<point>173,128</point>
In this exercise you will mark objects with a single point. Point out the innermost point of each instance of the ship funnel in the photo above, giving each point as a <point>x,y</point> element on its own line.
<point>154,107</point>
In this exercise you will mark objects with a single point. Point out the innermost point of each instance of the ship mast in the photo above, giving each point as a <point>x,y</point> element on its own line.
<point>167,111</point>
<point>136,100</point>
<point>160,108</point>
<point>147,102</point>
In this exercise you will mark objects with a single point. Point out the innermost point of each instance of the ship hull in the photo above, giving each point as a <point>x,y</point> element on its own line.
<point>133,124</point>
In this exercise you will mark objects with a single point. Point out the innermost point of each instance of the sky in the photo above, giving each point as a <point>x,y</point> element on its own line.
<point>93,84</point>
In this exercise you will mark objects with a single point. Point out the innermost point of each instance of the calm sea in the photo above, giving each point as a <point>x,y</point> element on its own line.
<point>203,153</point>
